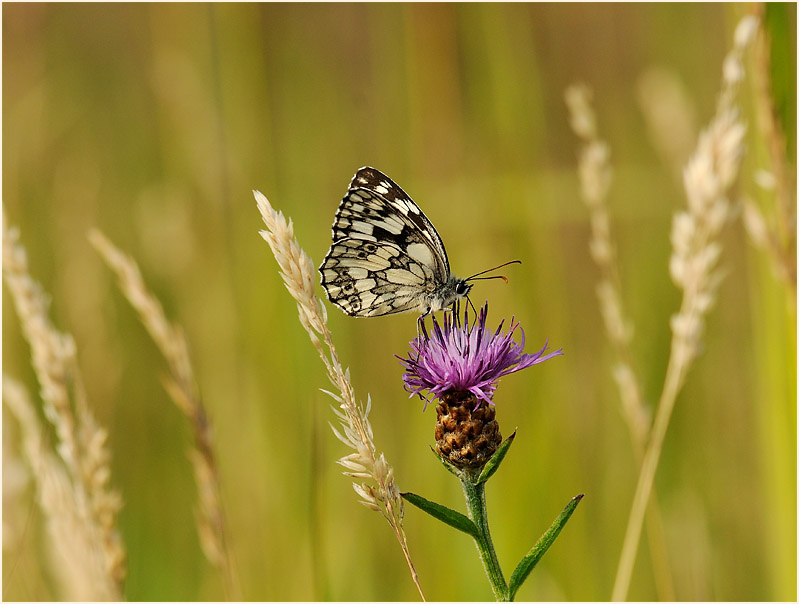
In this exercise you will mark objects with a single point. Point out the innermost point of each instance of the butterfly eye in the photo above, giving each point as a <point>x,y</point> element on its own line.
<point>462,288</point>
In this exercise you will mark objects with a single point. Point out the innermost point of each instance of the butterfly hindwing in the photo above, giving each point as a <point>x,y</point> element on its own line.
<point>366,279</point>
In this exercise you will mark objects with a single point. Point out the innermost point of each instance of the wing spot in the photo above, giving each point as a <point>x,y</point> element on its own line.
<point>354,303</point>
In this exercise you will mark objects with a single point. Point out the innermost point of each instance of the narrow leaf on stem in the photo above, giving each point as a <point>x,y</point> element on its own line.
<point>493,464</point>
<point>443,513</point>
<point>539,549</point>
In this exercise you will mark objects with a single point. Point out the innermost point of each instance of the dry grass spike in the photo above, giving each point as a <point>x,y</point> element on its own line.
<point>596,176</point>
<point>354,430</point>
<point>73,474</point>
<point>696,249</point>
<point>182,388</point>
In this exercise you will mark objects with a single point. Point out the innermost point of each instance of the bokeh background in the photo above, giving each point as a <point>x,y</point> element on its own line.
<point>153,123</point>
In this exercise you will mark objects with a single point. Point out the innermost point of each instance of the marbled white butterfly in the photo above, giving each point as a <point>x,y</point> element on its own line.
<point>386,257</point>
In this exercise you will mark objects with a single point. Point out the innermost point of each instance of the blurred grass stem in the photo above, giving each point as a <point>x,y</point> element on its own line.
<point>73,473</point>
<point>182,388</point>
<point>777,235</point>
<point>696,248</point>
<point>596,177</point>
<point>674,379</point>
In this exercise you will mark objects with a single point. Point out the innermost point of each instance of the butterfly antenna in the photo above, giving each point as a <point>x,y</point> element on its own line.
<point>477,277</point>
<point>469,300</point>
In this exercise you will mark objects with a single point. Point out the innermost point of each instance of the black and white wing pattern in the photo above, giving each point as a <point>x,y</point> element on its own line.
<point>386,255</point>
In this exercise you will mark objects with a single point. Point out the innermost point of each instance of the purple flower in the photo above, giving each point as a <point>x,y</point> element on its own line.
<point>459,358</point>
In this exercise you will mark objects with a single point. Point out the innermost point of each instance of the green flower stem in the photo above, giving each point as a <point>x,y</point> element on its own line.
<point>476,505</point>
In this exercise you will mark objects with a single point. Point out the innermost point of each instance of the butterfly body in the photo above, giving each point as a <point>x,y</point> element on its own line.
<point>386,257</point>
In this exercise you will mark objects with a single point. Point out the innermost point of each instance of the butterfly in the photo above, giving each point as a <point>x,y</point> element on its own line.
<point>387,257</point>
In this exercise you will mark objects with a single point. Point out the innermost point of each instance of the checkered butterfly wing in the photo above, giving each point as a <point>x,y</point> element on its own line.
<point>386,255</point>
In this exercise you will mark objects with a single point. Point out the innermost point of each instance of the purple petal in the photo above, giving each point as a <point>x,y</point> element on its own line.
<point>460,358</point>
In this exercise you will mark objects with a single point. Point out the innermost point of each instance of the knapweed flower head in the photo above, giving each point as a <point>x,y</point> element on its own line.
<point>459,358</point>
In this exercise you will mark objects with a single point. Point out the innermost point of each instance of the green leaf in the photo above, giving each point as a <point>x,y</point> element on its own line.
<point>443,513</point>
<point>493,464</point>
<point>539,549</point>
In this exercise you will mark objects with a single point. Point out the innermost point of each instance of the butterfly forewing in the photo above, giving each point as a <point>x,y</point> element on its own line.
<point>375,208</point>
<point>386,255</point>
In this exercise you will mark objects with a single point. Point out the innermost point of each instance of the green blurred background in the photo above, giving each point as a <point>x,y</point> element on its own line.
<point>154,122</point>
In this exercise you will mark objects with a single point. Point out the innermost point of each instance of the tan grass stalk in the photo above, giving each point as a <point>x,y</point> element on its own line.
<point>596,177</point>
<point>76,560</point>
<point>696,249</point>
<point>182,388</point>
<point>380,493</point>
<point>73,483</point>
<point>777,233</point>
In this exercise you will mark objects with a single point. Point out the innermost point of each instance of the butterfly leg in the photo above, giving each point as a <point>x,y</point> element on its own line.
<point>420,323</point>
<point>455,309</point>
